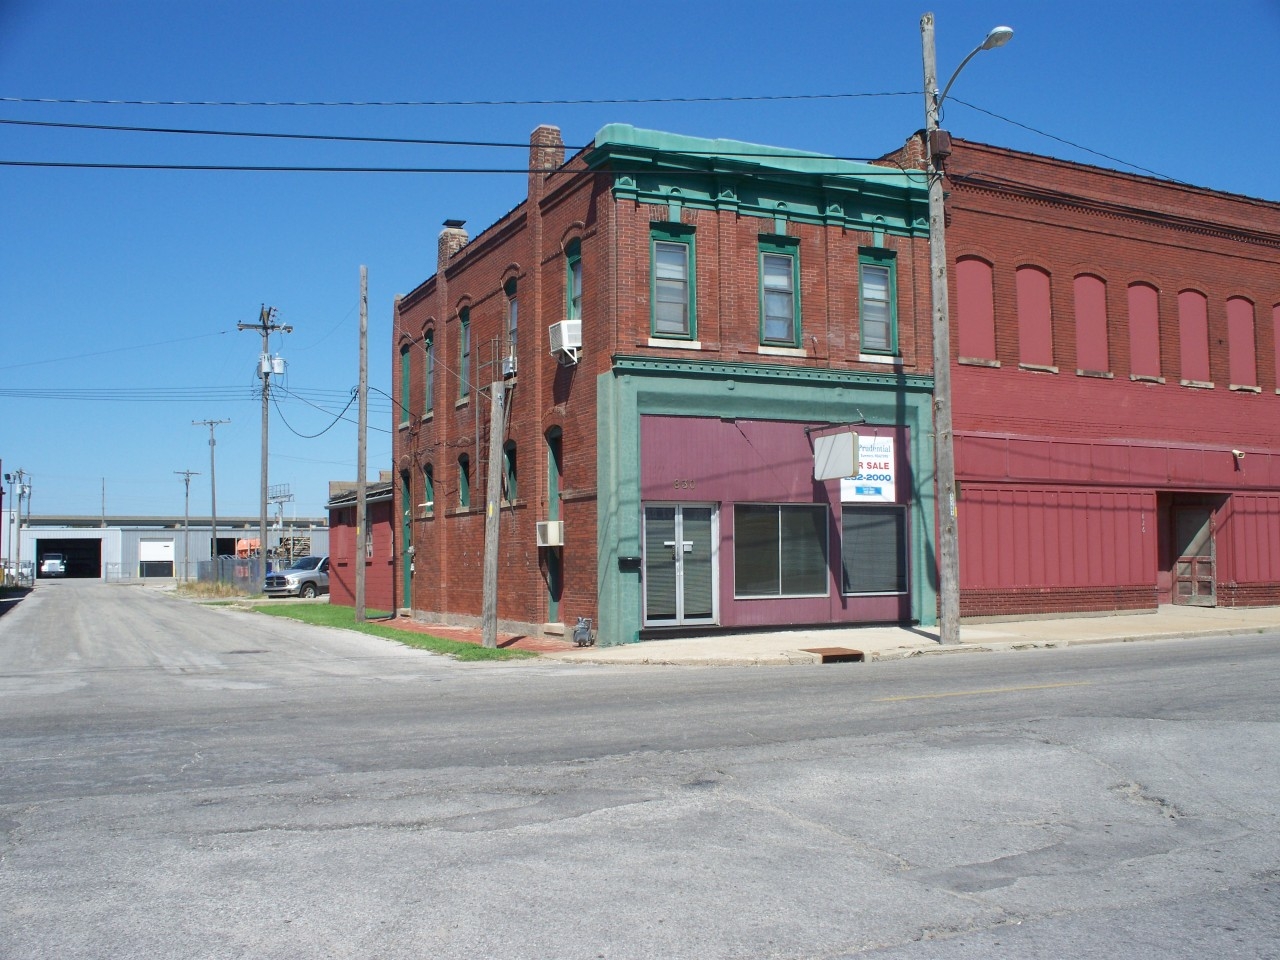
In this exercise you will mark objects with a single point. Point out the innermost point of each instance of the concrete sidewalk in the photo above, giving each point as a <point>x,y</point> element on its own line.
<point>888,643</point>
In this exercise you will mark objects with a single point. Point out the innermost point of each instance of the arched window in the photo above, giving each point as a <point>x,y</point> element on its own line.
<point>464,353</point>
<point>403,418</point>
<point>1144,331</point>
<point>428,372</point>
<point>975,310</point>
<point>1242,348</point>
<point>555,463</point>
<point>513,325</point>
<point>573,281</point>
<point>1035,318</point>
<point>1193,336</point>
<point>1093,353</point>
<point>509,470</point>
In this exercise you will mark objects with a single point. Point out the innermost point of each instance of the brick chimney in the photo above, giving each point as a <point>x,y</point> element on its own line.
<point>546,150</point>
<point>452,239</point>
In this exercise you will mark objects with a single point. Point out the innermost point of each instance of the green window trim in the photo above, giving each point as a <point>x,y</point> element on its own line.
<point>428,373</point>
<point>464,353</point>
<point>573,281</point>
<point>464,482</point>
<point>428,490</point>
<point>673,282</point>
<point>878,301</point>
<point>779,261</point>
<point>510,491</point>
<point>404,385</point>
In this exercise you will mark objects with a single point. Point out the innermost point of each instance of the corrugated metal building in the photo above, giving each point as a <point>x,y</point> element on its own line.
<point>131,548</point>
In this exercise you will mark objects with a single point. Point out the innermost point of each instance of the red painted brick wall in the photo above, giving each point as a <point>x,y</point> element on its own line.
<point>1028,428</point>
<point>528,245</point>
<point>379,569</point>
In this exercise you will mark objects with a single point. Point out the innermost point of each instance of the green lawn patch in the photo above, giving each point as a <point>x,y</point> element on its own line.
<point>323,615</point>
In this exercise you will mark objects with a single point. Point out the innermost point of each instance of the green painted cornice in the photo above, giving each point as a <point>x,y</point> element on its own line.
<point>720,370</point>
<point>761,181</point>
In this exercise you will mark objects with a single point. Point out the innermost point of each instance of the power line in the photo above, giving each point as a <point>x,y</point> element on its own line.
<point>1070,143</point>
<point>343,138</point>
<point>265,168</point>
<point>458,103</point>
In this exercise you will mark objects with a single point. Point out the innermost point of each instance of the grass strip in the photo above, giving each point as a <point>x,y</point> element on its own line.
<point>324,615</point>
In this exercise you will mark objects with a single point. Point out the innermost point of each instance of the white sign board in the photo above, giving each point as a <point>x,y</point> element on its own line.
<point>835,456</point>
<point>874,481</point>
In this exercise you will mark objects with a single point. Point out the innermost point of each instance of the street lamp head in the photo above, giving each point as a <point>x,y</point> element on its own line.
<point>998,37</point>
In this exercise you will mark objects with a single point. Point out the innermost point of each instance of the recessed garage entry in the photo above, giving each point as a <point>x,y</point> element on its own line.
<point>83,554</point>
<point>155,558</point>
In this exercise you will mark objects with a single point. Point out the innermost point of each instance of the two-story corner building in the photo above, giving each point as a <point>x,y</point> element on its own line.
<point>1115,392</point>
<point>673,325</point>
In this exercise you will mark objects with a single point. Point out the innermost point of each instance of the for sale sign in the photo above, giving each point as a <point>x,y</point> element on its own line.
<point>875,480</point>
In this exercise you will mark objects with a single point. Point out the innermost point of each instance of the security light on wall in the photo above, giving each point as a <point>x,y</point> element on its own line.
<point>1238,454</point>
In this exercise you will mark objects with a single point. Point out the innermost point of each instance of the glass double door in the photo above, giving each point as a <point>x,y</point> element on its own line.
<point>679,564</point>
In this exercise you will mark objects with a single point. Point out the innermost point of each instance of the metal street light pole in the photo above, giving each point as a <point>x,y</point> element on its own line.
<point>936,149</point>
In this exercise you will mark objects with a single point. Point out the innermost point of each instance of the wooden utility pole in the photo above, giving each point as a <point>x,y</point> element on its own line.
<point>493,511</point>
<point>186,476</point>
<point>213,491</point>
<point>362,518</point>
<point>266,325</point>
<point>936,150</point>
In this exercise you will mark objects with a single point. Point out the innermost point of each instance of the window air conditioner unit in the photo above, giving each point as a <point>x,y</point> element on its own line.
<point>550,533</point>
<point>509,366</point>
<point>566,340</point>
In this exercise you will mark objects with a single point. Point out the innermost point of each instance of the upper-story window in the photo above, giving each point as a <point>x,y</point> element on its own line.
<point>509,471</point>
<point>464,353</point>
<point>464,482</point>
<point>404,385</point>
<point>1035,318</point>
<point>1193,338</point>
<point>1242,348</point>
<point>428,372</point>
<point>1144,331</point>
<point>673,295</point>
<point>975,311</point>
<point>1093,354</point>
<point>779,291</point>
<point>428,490</point>
<point>573,281</point>
<point>513,324</point>
<point>878,303</point>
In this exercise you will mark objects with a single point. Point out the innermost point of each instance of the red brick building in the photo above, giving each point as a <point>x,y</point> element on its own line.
<point>1115,392</point>
<point>661,333</point>
<point>380,549</point>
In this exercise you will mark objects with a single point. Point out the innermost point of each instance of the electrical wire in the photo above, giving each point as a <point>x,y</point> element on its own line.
<point>457,103</point>
<point>1070,143</point>
<point>312,436</point>
<point>103,353</point>
<point>342,138</point>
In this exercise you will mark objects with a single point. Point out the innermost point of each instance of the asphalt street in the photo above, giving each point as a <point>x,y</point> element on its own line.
<point>188,781</point>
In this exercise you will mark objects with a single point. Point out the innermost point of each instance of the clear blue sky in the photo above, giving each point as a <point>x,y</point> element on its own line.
<point>120,290</point>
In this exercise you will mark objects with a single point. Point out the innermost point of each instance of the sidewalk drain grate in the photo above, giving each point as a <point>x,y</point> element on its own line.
<point>837,654</point>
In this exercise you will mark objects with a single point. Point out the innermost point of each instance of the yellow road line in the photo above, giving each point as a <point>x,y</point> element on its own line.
<point>979,693</point>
